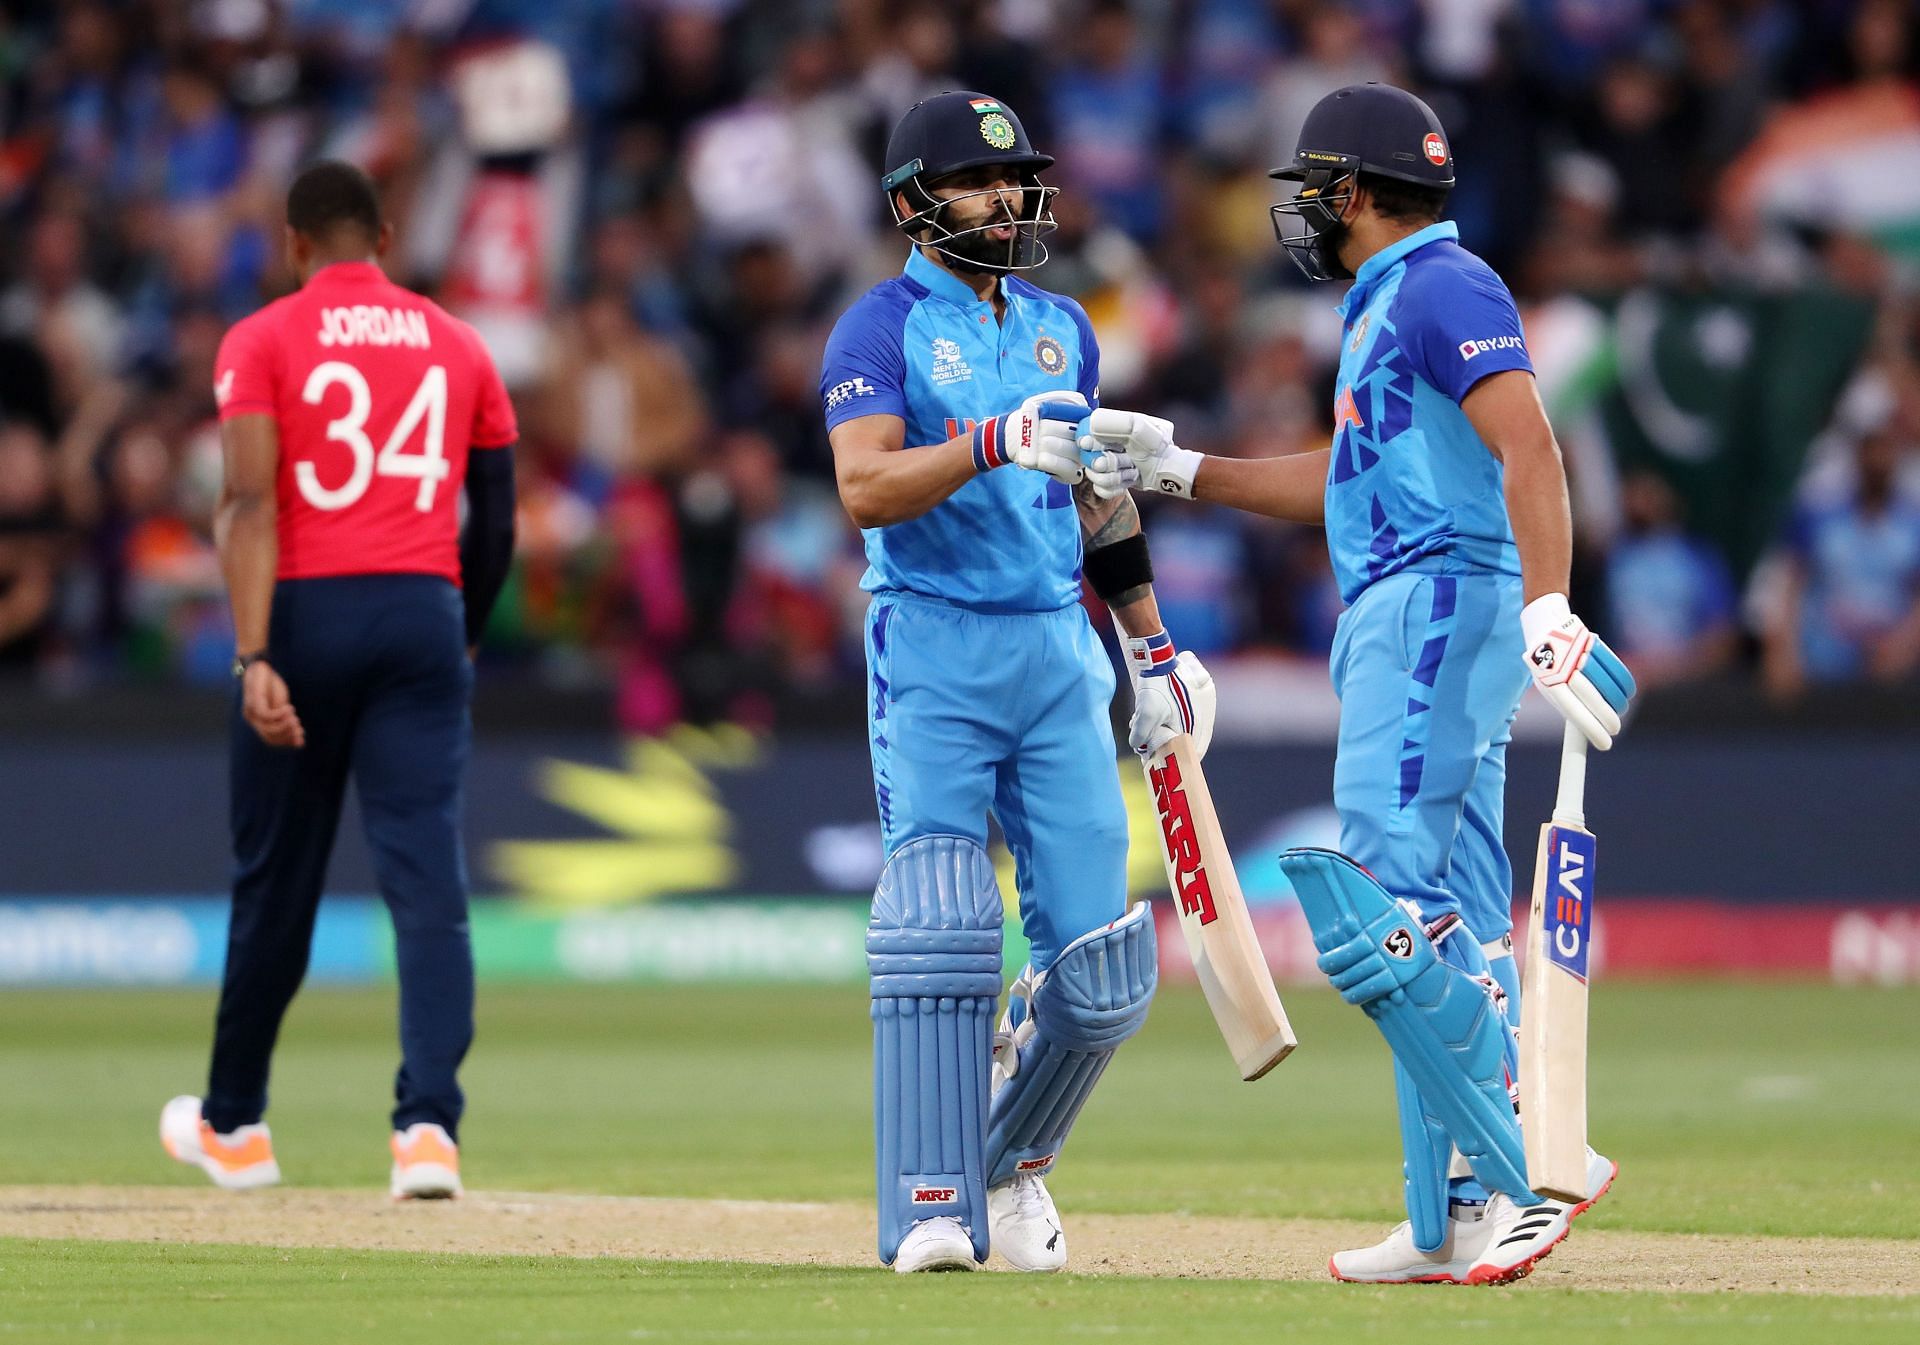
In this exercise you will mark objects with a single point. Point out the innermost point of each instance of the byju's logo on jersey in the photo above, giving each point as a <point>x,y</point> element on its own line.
<point>949,366</point>
<point>1468,349</point>
<point>842,393</point>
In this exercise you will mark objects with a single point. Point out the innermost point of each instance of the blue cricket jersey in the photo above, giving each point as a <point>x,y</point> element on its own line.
<point>924,347</point>
<point>1410,484</point>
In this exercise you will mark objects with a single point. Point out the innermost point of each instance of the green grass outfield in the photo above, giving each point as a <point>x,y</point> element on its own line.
<point>1782,1110</point>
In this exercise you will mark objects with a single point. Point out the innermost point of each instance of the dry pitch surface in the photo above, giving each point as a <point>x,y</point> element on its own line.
<point>1160,1245</point>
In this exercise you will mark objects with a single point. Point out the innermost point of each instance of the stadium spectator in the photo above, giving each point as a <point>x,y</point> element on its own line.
<point>32,540</point>
<point>1672,598</point>
<point>1723,179</point>
<point>1850,607</point>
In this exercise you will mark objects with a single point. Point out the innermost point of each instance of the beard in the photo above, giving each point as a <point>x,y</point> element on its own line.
<point>1326,246</point>
<point>987,255</point>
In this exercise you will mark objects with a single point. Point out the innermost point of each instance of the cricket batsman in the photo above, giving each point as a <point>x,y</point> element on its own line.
<point>953,394</point>
<point>1445,504</point>
<point>353,414</point>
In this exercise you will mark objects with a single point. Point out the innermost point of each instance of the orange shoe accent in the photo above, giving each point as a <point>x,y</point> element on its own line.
<point>426,1146</point>
<point>249,1152</point>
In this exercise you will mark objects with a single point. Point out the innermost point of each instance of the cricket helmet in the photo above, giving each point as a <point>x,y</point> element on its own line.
<point>945,134</point>
<point>1363,128</point>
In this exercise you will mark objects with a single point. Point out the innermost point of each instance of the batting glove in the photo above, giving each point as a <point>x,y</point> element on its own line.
<point>1172,694</point>
<point>1129,450</point>
<point>1573,668</point>
<point>1039,436</point>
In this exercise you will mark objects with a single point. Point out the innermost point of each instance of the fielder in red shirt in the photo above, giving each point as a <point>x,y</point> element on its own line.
<point>353,413</point>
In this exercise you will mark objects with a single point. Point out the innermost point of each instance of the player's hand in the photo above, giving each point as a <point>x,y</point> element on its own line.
<point>1128,450</point>
<point>1039,436</point>
<point>1573,668</point>
<point>268,707</point>
<point>1172,694</point>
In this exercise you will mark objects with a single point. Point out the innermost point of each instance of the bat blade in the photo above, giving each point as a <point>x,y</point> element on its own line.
<point>1553,1013</point>
<point>1219,933</point>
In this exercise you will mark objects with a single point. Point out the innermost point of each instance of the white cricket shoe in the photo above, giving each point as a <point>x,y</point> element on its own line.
<point>426,1163</point>
<point>1523,1235</point>
<point>935,1244</point>
<point>240,1161</point>
<point>1521,1238</point>
<point>1396,1260</point>
<point>1023,1225</point>
<point>1480,1238</point>
<point>1601,1171</point>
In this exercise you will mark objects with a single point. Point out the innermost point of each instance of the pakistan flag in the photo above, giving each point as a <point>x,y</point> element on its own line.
<point>1721,392</point>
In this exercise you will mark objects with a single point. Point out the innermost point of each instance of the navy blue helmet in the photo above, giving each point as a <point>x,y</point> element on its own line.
<point>950,133</point>
<point>1364,128</point>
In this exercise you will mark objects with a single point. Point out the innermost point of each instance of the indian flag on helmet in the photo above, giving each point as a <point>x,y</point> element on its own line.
<point>986,105</point>
<point>1849,161</point>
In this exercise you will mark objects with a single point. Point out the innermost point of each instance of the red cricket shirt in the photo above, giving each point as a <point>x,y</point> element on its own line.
<point>378,394</point>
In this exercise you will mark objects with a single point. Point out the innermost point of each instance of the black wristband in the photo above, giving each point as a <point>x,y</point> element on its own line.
<point>1118,567</point>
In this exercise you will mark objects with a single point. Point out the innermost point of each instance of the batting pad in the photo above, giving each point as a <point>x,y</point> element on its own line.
<point>933,956</point>
<point>1440,1023</point>
<point>1427,1152</point>
<point>1090,1000</point>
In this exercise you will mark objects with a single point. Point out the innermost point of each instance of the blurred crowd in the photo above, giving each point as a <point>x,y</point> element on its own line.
<point>655,209</point>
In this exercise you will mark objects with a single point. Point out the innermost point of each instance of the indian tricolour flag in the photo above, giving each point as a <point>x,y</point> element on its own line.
<point>986,105</point>
<point>1848,160</point>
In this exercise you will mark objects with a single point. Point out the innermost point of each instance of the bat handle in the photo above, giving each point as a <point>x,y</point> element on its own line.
<point>1570,806</point>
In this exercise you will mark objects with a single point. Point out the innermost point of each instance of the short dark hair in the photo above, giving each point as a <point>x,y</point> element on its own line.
<point>329,196</point>
<point>1405,202</point>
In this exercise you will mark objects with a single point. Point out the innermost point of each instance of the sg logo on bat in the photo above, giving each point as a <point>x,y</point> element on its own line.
<point>1569,900</point>
<point>1183,847</point>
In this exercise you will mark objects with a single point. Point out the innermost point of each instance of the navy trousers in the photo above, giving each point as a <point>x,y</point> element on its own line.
<point>377,670</point>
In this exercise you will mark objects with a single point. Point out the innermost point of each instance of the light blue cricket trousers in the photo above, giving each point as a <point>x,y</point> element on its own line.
<point>972,712</point>
<point>1429,673</point>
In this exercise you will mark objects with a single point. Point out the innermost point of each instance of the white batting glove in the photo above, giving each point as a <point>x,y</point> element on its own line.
<point>1573,668</point>
<point>1172,694</point>
<point>1134,451</point>
<point>1039,436</point>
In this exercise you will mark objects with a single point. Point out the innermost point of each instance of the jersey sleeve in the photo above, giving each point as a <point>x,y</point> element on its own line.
<point>1089,384</point>
<point>864,371</point>
<point>246,370</point>
<point>1459,325</point>
<point>494,424</point>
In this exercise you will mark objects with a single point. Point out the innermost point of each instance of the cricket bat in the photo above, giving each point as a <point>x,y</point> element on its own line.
<point>1553,994</point>
<point>1213,915</point>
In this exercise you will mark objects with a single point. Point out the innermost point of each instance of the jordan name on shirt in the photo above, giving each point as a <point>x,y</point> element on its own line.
<point>373,325</point>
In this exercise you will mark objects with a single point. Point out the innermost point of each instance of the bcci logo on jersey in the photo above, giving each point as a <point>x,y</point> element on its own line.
<point>1050,356</point>
<point>948,364</point>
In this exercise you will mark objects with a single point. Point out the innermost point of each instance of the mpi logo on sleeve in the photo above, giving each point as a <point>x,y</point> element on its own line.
<point>1569,900</point>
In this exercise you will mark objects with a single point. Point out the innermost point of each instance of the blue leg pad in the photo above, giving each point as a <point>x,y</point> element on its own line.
<point>1428,1150</point>
<point>1439,1021</point>
<point>1090,1000</point>
<point>933,955</point>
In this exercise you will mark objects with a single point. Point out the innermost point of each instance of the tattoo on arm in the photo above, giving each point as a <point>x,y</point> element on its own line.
<point>1104,522</point>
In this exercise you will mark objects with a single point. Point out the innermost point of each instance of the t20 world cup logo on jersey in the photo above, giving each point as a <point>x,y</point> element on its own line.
<point>949,365</point>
